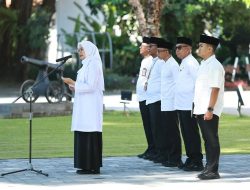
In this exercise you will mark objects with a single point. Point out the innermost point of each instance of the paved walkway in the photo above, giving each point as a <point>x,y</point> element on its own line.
<point>113,102</point>
<point>122,173</point>
<point>8,93</point>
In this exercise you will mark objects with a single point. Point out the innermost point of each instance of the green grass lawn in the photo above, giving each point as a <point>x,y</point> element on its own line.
<point>122,136</point>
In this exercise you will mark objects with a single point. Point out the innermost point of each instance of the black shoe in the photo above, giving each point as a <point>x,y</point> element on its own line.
<point>153,157</point>
<point>173,164</point>
<point>204,170</point>
<point>209,175</point>
<point>145,156</point>
<point>141,155</point>
<point>193,167</point>
<point>83,171</point>
<point>160,159</point>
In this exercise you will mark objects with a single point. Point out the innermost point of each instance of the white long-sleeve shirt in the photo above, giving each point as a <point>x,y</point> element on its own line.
<point>184,93</point>
<point>153,92</point>
<point>143,77</point>
<point>169,73</point>
<point>88,101</point>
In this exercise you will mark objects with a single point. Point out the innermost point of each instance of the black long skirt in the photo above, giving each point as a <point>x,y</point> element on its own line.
<point>87,150</point>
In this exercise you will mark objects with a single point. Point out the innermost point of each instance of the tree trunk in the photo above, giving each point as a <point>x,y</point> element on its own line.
<point>138,9</point>
<point>3,3</point>
<point>154,8</point>
<point>24,9</point>
<point>148,15</point>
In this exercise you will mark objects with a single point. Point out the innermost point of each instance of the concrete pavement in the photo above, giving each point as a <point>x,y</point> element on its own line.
<point>122,173</point>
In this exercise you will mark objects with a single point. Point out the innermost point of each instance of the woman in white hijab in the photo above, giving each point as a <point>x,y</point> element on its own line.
<point>88,110</point>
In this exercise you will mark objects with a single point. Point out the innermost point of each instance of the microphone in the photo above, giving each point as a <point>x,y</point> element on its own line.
<point>64,58</point>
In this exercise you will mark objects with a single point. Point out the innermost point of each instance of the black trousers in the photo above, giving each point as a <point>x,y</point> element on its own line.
<point>147,127</point>
<point>171,132</point>
<point>209,130</point>
<point>88,150</point>
<point>155,123</point>
<point>191,136</point>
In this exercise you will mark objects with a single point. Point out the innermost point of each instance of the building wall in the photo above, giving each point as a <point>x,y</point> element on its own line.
<point>65,9</point>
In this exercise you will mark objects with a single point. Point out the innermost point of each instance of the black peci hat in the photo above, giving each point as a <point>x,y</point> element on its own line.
<point>145,40</point>
<point>155,40</point>
<point>184,40</point>
<point>209,40</point>
<point>165,44</point>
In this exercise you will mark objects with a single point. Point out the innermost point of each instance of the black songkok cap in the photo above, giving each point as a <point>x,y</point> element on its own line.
<point>155,40</point>
<point>165,44</point>
<point>209,40</point>
<point>145,40</point>
<point>184,40</point>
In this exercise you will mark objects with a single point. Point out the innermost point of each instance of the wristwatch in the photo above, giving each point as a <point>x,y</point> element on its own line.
<point>210,109</point>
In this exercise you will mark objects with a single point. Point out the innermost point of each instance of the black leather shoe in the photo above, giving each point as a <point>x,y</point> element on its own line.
<point>153,157</point>
<point>97,171</point>
<point>204,170</point>
<point>141,155</point>
<point>160,159</point>
<point>209,175</point>
<point>173,164</point>
<point>193,167</point>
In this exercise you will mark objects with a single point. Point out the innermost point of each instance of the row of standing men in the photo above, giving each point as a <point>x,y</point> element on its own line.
<point>174,98</point>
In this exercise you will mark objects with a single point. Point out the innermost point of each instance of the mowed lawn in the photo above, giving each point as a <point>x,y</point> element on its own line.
<point>122,136</point>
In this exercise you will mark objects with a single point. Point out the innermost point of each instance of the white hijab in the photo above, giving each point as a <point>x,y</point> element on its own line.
<point>92,54</point>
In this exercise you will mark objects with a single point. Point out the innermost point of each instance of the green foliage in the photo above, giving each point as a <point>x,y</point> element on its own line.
<point>9,32</point>
<point>123,50</point>
<point>118,13</point>
<point>126,57</point>
<point>226,19</point>
<point>114,81</point>
<point>36,31</point>
<point>32,35</point>
<point>8,24</point>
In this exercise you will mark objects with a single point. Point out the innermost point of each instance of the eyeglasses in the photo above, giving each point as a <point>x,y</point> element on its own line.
<point>180,47</point>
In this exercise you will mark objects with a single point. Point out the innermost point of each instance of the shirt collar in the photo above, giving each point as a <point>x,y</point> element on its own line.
<point>155,58</point>
<point>169,59</point>
<point>187,57</point>
<point>208,59</point>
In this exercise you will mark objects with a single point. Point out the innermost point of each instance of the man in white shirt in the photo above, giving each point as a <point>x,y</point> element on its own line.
<point>184,95</point>
<point>141,96</point>
<point>170,134</point>
<point>208,103</point>
<point>153,97</point>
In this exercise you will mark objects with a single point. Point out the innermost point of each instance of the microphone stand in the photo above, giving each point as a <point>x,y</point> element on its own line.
<point>29,91</point>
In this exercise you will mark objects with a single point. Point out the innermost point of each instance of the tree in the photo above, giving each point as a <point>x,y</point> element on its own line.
<point>23,10</point>
<point>149,23</point>
<point>24,28</point>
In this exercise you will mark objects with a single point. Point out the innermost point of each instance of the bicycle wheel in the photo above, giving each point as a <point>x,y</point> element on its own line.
<point>54,92</point>
<point>25,86</point>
